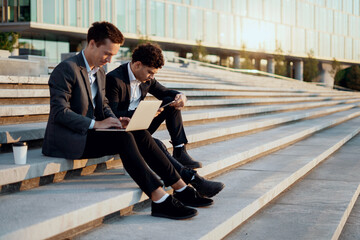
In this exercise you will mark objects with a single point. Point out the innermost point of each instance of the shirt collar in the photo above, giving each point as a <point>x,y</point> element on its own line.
<point>94,70</point>
<point>132,77</point>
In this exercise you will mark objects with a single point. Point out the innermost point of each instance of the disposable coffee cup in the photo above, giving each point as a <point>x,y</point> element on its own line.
<point>20,152</point>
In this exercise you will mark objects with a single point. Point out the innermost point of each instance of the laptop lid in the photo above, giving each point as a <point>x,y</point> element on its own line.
<point>142,117</point>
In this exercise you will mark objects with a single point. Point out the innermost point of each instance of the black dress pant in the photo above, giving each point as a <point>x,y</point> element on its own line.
<point>138,152</point>
<point>174,123</point>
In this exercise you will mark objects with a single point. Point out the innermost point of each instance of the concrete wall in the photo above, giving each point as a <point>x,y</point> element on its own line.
<point>24,66</point>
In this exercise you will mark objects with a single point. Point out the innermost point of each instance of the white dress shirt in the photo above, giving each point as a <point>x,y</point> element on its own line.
<point>135,93</point>
<point>93,86</point>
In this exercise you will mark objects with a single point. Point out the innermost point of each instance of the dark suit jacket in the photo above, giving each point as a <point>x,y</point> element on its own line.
<point>71,109</point>
<point>118,90</point>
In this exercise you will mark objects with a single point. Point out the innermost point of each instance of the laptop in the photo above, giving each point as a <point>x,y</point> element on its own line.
<point>141,119</point>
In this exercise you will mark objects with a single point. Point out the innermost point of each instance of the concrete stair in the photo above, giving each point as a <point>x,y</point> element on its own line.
<point>242,133</point>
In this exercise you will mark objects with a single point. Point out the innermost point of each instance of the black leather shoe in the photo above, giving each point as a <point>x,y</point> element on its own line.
<point>172,208</point>
<point>206,188</point>
<point>184,158</point>
<point>190,197</point>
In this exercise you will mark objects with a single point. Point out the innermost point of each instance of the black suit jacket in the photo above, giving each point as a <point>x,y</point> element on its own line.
<point>71,109</point>
<point>118,90</point>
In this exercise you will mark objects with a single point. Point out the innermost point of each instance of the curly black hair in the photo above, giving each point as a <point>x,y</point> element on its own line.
<point>149,54</point>
<point>99,31</point>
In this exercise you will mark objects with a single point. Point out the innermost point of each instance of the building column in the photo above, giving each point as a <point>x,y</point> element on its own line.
<point>270,67</point>
<point>224,61</point>
<point>182,54</point>
<point>237,61</point>
<point>258,63</point>
<point>299,70</point>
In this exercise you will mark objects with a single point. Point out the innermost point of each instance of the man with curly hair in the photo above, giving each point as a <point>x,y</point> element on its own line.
<point>128,84</point>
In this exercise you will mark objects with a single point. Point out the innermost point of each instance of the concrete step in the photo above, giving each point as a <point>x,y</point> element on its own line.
<point>351,230</point>
<point>24,93</point>
<point>59,207</point>
<point>318,206</point>
<point>270,100</point>
<point>248,189</point>
<point>23,110</point>
<point>37,109</point>
<point>211,131</point>
<point>35,131</point>
<point>23,80</point>
<point>39,165</point>
<point>223,86</point>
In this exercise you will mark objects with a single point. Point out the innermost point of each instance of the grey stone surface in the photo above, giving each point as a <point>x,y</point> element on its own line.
<point>246,190</point>
<point>314,208</point>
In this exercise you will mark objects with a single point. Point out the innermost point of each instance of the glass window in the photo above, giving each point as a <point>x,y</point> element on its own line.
<point>329,21</point>
<point>267,36</point>
<point>60,12</point>
<point>97,10</point>
<point>356,9</point>
<point>251,34</point>
<point>143,18</point>
<point>170,21</point>
<point>240,8</point>
<point>24,6</point>
<point>238,26</point>
<point>283,37</point>
<point>312,41</point>
<point>272,10</point>
<point>203,3</point>
<point>289,12</point>
<point>38,47</point>
<point>348,48</point>
<point>108,10</point>
<point>340,23</point>
<point>186,2</point>
<point>72,13</point>
<point>223,5</point>
<point>196,26</point>
<point>157,19</point>
<point>51,51</point>
<point>305,15</point>
<point>337,46</point>
<point>62,47</point>
<point>49,11</point>
<point>324,47</point>
<point>120,15</point>
<point>131,12</point>
<point>347,6</point>
<point>33,7</point>
<point>1,11</point>
<point>12,11</point>
<point>85,13</point>
<point>211,27</point>
<point>356,51</point>
<point>182,22</point>
<point>255,8</point>
<point>298,40</point>
<point>226,34</point>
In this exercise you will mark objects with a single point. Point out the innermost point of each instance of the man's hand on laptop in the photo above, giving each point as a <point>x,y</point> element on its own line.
<point>124,121</point>
<point>180,100</point>
<point>108,123</point>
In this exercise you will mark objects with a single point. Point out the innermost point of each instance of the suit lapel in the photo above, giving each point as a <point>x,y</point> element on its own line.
<point>124,68</point>
<point>84,75</point>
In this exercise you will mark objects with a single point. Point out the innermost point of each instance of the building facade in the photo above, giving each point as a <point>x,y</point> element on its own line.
<point>328,28</point>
